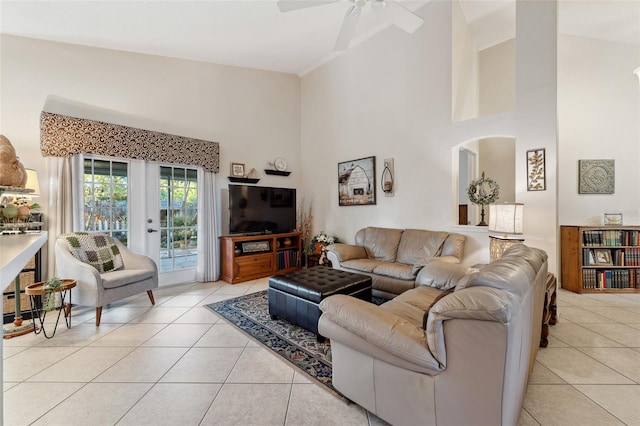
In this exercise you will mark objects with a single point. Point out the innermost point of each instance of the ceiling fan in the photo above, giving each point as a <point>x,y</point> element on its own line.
<point>397,14</point>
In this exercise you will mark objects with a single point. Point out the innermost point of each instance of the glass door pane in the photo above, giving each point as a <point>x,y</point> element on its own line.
<point>178,209</point>
<point>106,197</point>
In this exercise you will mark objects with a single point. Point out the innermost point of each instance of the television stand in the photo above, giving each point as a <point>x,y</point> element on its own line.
<point>248,257</point>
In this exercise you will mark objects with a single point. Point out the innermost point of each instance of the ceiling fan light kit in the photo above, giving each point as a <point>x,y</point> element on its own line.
<point>397,14</point>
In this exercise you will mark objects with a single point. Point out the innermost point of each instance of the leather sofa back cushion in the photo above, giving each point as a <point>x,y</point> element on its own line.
<point>454,246</point>
<point>512,272</point>
<point>442,275</point>
<point>382,243</point>
<point>418,246</point>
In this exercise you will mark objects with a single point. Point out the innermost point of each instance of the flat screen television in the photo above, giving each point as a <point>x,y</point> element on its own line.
<point>261,210</point>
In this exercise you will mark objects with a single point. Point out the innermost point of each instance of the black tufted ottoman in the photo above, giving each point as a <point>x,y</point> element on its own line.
<point>295,296</point>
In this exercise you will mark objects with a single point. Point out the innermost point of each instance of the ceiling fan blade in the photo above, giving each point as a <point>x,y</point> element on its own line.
<point>399,15</point>
<point>290,5</point>
<point>347,28</point>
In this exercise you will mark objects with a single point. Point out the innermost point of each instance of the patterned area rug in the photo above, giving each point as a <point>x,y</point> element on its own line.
<point>250,313</point>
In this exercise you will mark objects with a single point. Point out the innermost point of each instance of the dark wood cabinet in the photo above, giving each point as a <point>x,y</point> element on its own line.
<point>248,257</point>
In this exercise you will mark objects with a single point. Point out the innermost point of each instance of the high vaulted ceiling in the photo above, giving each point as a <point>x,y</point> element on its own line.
<point>256,34</point>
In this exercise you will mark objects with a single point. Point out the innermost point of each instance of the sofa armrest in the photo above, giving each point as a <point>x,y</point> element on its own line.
<point>381,328</point>
<point>88,280</point>
<point>344,252</point>
<point>474,303</point>
<point>132,260</point>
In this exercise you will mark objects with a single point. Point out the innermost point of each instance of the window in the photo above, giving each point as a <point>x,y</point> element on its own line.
<point>106,197</point>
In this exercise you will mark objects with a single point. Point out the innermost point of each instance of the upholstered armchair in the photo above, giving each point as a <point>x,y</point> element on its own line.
<point>104,269</point>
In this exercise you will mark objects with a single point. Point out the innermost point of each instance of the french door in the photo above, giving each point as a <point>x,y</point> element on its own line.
<point>150,207</point>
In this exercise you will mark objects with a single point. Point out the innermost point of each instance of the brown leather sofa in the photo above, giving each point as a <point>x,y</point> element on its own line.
<point>434,357</point>
<point>394,258</point>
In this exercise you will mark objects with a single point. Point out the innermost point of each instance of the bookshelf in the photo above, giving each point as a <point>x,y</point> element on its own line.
<point>600,259</point>
<point>247,257</point>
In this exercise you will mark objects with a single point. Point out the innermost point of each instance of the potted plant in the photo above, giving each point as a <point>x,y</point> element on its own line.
<point>49,302</point>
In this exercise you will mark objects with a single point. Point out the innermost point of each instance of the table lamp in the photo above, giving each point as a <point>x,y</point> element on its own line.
<point>507,219</point>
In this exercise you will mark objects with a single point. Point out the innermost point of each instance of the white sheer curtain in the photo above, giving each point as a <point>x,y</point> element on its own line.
<point>65,201</point>
<point>207,269</point>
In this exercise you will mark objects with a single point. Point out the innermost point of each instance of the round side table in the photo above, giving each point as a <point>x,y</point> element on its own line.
<point>35,290</point>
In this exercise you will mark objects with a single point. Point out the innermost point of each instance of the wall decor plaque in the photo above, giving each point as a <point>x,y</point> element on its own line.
<point>536,177</point>
<point>596,176</point>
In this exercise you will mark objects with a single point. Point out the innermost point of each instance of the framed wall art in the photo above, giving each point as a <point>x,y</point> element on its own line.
<point>536,176</point>
<point>237,169</point>
<point>357,182</point>
<point>596,176</point>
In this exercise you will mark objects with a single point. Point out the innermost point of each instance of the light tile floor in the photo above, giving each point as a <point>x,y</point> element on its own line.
<point>179,364</point>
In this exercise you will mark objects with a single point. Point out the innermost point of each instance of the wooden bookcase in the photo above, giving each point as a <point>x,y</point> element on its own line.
<point>247,257</point>
<point>600,259</point>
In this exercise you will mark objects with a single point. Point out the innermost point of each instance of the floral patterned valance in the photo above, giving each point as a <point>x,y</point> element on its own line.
<point>64,136</point>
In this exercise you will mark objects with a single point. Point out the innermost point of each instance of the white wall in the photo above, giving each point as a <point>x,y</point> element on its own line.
<point>497,158</point>
<point>464,67</point>
<point>254,115</point>
<point>599,111</point>
<point>497,74</point>
<point>391,97</point>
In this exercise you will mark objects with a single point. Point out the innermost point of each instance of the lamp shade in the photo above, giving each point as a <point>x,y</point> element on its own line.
<point>32,183</point>
<point>506,218</point>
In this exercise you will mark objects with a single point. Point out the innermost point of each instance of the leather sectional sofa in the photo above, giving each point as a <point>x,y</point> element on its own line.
<point>443,357</point>
<point>394,258</point>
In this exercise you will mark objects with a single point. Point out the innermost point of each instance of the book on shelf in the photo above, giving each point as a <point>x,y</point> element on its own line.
<point>611,237</point>
<point>611,278</point>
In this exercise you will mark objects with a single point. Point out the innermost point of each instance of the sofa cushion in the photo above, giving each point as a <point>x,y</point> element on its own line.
<point>442,275</point>
<point>513,274</point>
<point>453,246</point>
<point>419,246</point>
<point>97,250</point>
<point>382,243</point>
<point>395,270</point>
<point>122,277</point>
<point>364,265</point>
<point>411,305</point>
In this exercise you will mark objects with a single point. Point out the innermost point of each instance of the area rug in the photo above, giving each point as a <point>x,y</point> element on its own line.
<point>250,313</point>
